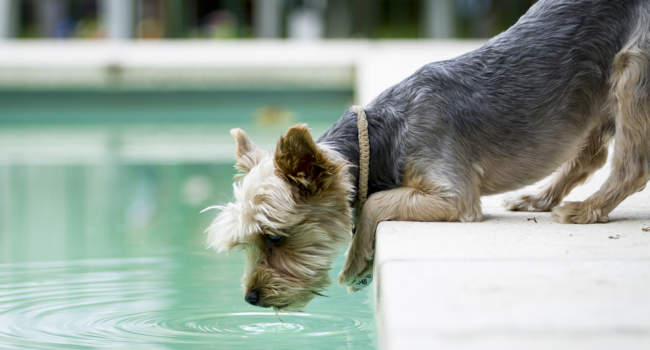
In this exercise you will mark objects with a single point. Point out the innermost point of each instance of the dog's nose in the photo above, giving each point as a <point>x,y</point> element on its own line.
<point>252,297</point>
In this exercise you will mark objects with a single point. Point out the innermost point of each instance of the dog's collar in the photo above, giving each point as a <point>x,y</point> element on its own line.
<point>364,153</point>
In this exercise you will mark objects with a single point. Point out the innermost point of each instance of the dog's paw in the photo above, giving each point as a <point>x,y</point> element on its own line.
<point>578,213</point>
<point>528,203</point>
<point>356,277</point>
<point>363,280</point>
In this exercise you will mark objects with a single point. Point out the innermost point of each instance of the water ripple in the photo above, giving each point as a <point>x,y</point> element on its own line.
<point>121,303</point>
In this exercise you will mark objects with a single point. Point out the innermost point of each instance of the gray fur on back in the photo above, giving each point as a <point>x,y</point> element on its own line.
<point>509,111</point>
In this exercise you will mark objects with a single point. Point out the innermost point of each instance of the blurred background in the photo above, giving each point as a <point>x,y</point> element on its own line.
<point>114,114</point>
<point>244,19</point>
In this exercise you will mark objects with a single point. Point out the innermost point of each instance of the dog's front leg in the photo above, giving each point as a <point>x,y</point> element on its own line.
<point>404,203</point>
<point>357,271</point>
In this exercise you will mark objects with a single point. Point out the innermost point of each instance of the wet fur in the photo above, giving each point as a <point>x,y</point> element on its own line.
<point>550,92</point>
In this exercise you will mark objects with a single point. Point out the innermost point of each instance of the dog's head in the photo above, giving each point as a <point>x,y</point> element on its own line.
<point>291,216</point>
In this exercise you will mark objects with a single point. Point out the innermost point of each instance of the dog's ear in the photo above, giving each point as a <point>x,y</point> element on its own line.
<point>248,155</point>
<point>299,161</point>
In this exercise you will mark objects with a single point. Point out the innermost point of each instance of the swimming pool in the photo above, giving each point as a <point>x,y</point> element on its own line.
<point>101,242</point>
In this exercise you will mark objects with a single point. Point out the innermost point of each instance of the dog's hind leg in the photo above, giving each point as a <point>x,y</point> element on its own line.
<point>414,202</point>
<point>631,163</point>
<point>591,157</point>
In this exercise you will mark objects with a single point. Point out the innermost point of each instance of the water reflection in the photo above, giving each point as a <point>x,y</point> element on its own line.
<point>112,256</point>
<point>51,212</point>
<point>101,241</point>
<point>169,301</point>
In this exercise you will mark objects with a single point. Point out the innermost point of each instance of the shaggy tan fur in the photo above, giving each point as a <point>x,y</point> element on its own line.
<point>591,157</point>
<point>302,194</point>
<point>292,210</point>
<point>631,163</point>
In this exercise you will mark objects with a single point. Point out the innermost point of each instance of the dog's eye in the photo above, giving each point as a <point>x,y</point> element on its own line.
<point>275,239</point>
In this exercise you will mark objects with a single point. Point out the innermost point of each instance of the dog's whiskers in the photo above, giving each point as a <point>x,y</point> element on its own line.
<point>277,314</point>
<point>319,294</point>
<point>212,207</point>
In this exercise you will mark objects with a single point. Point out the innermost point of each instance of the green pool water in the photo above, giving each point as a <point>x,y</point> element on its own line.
<point>105,248</point>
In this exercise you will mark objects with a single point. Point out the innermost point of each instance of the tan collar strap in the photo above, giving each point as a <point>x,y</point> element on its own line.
<point>364,153</point>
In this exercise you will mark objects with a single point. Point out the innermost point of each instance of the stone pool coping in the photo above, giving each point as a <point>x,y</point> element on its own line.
<point>517,280</point>
<point>366,66</point>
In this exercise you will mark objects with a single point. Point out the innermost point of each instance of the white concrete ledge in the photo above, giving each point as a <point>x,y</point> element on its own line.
<point>366,66</point>
<point>516,281</point>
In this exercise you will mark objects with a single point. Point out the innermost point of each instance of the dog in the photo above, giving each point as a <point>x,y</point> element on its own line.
<point>547,94</point>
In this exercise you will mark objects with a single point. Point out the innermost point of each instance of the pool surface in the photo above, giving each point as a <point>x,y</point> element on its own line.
<point>102,244</point>
<point>170,301</point>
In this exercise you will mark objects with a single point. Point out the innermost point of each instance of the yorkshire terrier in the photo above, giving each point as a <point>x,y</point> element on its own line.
<point>549,93</point>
